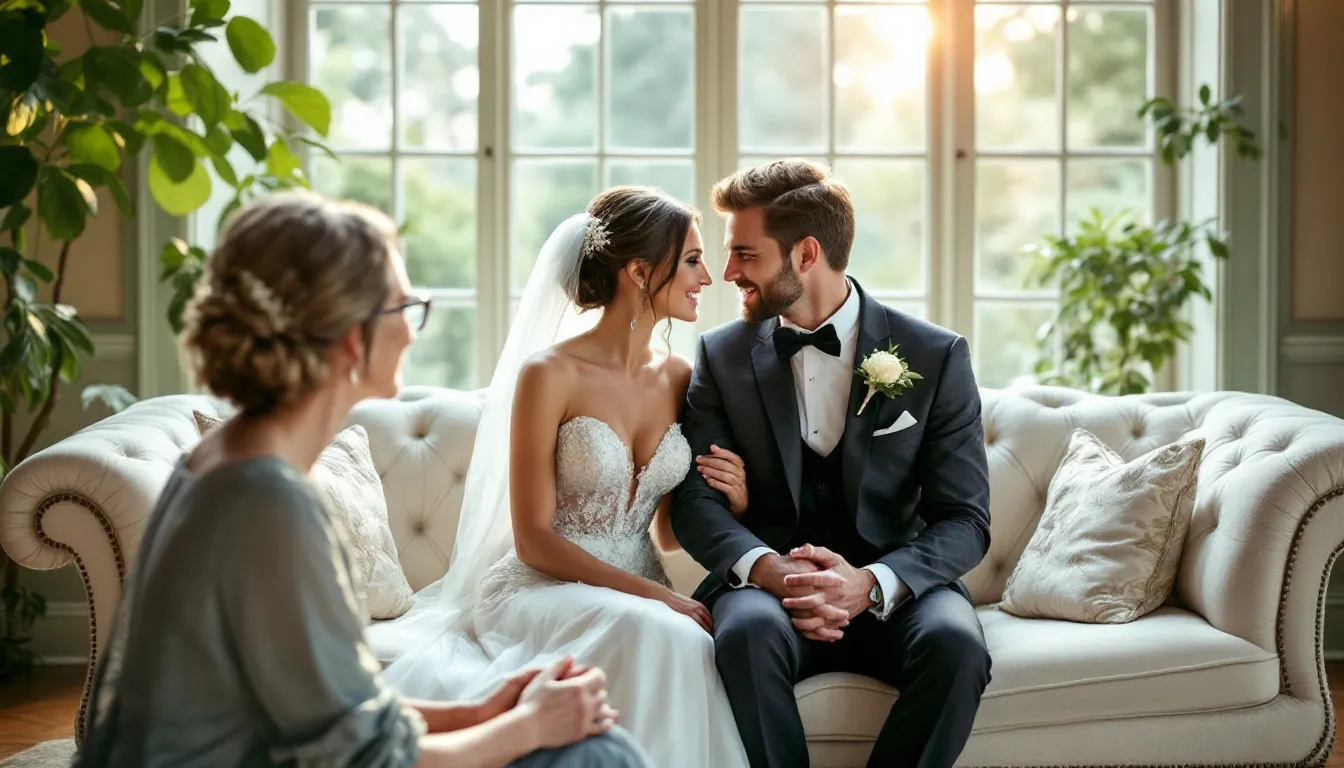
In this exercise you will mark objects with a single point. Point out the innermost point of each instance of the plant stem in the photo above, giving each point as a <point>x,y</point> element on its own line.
<point>54,382</point>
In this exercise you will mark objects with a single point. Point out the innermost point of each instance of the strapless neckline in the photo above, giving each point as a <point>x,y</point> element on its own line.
<point>637,473</point>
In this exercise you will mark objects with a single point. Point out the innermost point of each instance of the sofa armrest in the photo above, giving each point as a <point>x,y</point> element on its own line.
<point>1268,524</point>
<point>86,499</point>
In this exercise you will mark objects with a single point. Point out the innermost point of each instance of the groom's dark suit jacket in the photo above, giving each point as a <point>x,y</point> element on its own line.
<point>920,495</point>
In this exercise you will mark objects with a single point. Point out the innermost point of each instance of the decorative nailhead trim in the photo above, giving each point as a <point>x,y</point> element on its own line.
<point>111,532</point>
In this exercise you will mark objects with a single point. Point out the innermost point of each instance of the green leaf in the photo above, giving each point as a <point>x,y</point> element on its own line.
<point>211,100</point>
<point>40,270</point>
<point>280,161</point>
<point>62,204</point>
<point>25,289</point>
<point>204,11</point>
<point>91,143</point>
<point>1204,94</point>
<point>10,260</point>
<point>179,198</point>
<point>174,158</point>
<point>119,70</point>
<point>101,177</point>
<point>225,170</point>
<point>107,14</point>
<point>153,70</point>
<point>250,137</point>
<point>218,140</point>
<point>23,114</point>
<point>16,216</point>
<point>251,44</point>
<point>1217,247</point>
<point>132,9</point>
<point>115,397</point>
<point>21,54</point>
<point>18,173</point>
<point>319,146</point>
<point>176,100</point>
<point>304,102</point>
<point>129,139</point>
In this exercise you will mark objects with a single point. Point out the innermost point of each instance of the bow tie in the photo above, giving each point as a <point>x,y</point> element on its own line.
<point>789,340</point>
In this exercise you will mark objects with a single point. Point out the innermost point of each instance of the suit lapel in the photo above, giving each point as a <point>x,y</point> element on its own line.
<point>874,334</point>
<point>774,378</point>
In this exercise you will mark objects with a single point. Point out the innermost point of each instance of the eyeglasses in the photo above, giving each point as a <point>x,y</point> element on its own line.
<point>416,311</point>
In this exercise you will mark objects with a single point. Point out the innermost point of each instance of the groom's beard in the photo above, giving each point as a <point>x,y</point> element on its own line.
<point>775,297</point>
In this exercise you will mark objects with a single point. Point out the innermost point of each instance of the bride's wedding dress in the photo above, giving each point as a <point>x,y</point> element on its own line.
<point>660,664</point>
<point>492,615</point>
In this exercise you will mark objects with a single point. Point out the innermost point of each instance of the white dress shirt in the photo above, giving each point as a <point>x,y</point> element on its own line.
<point>822,384</point>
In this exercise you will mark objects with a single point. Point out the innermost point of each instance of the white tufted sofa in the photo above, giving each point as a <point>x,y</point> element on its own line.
<point>1230,672</point>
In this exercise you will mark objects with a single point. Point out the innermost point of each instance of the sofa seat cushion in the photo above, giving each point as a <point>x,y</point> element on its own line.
<point>1046,672</point>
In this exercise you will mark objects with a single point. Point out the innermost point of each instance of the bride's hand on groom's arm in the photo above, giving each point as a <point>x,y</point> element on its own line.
<point>725,472</point>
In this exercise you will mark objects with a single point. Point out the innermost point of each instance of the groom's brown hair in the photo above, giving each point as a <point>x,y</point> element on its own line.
<point>800,198</point>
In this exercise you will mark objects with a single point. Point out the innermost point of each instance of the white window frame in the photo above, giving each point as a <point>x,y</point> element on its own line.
<point>950,259</point>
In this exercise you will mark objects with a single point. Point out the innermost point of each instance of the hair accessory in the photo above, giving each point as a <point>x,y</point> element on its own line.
<point>595,237</point>
<point>265,299</point>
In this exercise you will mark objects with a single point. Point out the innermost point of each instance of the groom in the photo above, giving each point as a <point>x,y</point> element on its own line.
<point>858,526</point>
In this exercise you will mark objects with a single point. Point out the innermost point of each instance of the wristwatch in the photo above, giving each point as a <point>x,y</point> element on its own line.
<point>875,594</point>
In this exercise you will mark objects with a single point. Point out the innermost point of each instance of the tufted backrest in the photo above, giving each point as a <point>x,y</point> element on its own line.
<point>421,444</point>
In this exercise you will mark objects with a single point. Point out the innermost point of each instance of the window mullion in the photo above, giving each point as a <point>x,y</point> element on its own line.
<point>956,265</point>
<point>493,184</point>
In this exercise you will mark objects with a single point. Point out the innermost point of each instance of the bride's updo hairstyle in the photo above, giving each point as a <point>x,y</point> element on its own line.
<point>292,274</point>
<point>637,223</point>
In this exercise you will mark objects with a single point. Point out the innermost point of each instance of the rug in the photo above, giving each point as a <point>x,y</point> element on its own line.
<point>48,754</point>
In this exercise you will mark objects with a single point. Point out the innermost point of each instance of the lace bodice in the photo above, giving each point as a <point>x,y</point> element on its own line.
<point>603,503</point>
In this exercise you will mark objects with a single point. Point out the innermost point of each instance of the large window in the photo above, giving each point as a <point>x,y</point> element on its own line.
<point>966,129</point>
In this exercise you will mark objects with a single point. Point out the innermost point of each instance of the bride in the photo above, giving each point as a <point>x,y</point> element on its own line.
<point>567,496</point>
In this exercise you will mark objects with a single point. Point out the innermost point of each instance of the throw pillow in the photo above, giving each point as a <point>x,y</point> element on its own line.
<point>346,476</point>
<point>1109,542</point>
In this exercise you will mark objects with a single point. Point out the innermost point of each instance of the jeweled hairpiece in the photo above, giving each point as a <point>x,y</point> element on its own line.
<point>595,237</point>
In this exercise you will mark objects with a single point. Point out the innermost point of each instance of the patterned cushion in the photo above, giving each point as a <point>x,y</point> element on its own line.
<point>1110,538</point>
<point>345,475</point>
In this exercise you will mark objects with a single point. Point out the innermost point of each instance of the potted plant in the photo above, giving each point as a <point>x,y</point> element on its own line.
<point>1124,286</point>
<point>70,126</point>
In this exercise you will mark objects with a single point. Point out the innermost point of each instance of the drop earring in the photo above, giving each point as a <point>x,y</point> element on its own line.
<point>354,377</point>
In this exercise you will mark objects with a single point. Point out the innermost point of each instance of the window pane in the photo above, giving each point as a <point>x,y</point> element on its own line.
<point>676,177</point>
<point>545,193</point>
<point>880,77</point>
<point>440,200</point>
<point>1109,186</point>
<point>889,208</point>
<point>781,80</point>
<point>444,353</point>
<point>440,77</point>
<point>650,67</point>
<point>1005,351</point>
<point>1016,202</point>
<point>1016,96</point>
<point>1108,76</point>
<point>366,179</point>
<point>350,61</point>
<point>555,76</point>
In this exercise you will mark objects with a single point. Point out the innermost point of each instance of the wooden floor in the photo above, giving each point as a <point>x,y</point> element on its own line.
<point>43,706</point>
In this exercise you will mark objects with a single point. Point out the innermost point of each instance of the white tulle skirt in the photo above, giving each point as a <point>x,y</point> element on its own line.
<point>661,674</point>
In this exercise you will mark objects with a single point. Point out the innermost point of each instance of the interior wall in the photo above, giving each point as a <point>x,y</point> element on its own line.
<point>1311,355</point>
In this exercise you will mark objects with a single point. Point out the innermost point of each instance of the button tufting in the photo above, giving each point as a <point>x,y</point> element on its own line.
<point>418,527</point>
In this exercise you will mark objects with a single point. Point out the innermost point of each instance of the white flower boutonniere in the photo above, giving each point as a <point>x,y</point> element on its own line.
<point>887,373</point>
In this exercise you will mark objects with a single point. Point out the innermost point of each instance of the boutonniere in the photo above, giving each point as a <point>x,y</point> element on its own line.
<point>887,373</point>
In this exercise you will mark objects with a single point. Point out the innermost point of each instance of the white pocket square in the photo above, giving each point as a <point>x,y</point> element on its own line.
<point>904,421</point>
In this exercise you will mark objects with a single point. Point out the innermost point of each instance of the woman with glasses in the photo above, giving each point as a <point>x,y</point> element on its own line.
<point>237,640</point>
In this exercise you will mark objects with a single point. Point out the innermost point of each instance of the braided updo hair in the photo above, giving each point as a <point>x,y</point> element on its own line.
<point>638,223</point>
<point>291,275</point>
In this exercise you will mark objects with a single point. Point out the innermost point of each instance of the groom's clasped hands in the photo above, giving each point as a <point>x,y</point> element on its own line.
<point>820,589</point>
